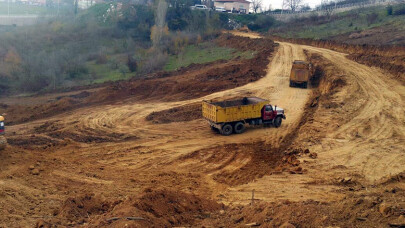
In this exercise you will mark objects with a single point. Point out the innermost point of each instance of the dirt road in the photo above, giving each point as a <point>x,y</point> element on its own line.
<point>188,157</point>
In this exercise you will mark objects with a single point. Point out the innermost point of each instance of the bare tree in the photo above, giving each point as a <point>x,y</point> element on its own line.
<point>328,8</point>
<point>256,5</point>
<point>158,30</point>
<point>292,4</point>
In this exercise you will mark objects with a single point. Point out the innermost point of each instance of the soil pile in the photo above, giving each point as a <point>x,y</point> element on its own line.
<point>178,114</point>
<point>158,208</point>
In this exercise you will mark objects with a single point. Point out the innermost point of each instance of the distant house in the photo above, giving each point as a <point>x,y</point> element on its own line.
<point>238,6</point>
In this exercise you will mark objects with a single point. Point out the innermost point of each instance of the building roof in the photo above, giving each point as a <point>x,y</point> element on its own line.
<point>241,1</point>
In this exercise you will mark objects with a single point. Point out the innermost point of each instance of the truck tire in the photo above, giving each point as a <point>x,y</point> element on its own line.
<point>305,85</point>
<point>226,129</point>
<point>277,121</point>
<point>3,143</point>
<point>239,128</point>
<point>291,84</point>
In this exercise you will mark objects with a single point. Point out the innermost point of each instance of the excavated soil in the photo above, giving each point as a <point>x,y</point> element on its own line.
<point>158,208</point>
<point>178,114</point>
<point>336,160</point>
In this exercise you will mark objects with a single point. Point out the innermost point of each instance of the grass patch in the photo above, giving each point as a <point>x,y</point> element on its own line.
<point>346,22</point>
<point>100,73</point>
<point>203,53</point>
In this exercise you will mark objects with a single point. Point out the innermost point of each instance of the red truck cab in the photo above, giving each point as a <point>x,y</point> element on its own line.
<point>272,114</point>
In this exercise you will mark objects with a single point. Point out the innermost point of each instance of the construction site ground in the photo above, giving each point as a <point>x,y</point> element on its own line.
<point>138,153</point>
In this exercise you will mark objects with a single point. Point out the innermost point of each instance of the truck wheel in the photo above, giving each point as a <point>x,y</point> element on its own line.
<point>291,84</point>
<point>305,84</point>
<point>277,121</point>
<point>239,128</point>
<point>226,129</point>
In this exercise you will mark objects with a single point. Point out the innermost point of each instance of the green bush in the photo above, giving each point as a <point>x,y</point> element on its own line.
<point>389,10</point>
<point>400,11</point>
<point>262,23</point>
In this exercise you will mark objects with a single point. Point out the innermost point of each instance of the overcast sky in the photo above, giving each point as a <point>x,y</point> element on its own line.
<point>276,4</point>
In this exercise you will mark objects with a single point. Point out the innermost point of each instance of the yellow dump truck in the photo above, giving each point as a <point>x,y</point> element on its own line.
<point>301,73</point>
<point>227,117</point>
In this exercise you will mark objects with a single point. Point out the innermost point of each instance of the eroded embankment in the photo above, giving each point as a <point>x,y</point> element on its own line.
<point>186,83</point>
<point>388,57</point>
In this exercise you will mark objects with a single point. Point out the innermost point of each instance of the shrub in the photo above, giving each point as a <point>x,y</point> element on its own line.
<point>262,23</point>
<point>400,11</point>
<point>156,61</point>
<point>131,63</point>
<point>371,18</point>
<point>101,58</point>
<point>389,10</point>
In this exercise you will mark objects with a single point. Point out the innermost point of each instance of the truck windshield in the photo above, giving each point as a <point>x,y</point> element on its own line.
<point>268,108</point>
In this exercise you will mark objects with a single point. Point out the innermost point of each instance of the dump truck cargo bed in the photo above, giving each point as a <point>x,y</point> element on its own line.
<point>300,73</point>
<point>233,110</point>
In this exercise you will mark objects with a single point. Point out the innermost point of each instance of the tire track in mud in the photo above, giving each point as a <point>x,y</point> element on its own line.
<point>372,142</point>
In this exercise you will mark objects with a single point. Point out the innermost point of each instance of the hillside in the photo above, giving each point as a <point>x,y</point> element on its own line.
<point>373,25</point>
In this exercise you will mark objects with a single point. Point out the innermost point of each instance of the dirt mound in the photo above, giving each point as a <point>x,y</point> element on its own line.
<point>177,114</point>
<point>77,209</point>
<point>158,208</point>
<point>32,142</point>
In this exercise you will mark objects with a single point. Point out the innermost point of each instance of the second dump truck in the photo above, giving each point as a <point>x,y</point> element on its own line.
<point>301,73</point>
<point>231,116</point>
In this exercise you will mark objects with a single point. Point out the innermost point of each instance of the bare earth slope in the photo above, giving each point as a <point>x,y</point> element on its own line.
<point>96,163</point>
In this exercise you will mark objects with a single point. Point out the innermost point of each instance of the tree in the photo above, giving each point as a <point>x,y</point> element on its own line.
<point>160,28</point>
<point>256,5</point>
<point>306,7</point>
<point>328,8</point>
<point>292,4</point>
